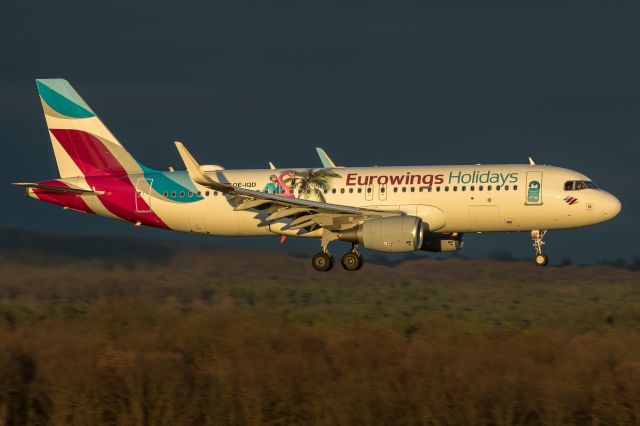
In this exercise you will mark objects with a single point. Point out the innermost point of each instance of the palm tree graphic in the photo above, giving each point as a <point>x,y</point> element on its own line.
<point>311,181</point>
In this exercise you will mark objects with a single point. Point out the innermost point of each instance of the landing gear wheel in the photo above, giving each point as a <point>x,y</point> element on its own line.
<point>322,262</point>
<point>352,261</point>
<point>541,259</point>
<point>537,237</point>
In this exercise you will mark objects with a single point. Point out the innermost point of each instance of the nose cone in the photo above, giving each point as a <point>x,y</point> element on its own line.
<point>612,206</point>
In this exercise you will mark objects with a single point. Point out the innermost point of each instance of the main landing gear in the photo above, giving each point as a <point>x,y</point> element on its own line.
<point>323,261</point>
<point>537,236</point>
<point>351,261</point>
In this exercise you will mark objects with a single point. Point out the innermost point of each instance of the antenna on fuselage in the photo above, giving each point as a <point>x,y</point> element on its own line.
<point>271,166</point>
<point>531,162</point>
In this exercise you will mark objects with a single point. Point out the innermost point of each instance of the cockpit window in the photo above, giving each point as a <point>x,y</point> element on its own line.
<point>579,185</point>
<point>576,185</point>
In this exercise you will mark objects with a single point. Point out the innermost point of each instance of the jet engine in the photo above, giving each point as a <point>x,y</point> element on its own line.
<point>395,234</point>
<point>441,242</point>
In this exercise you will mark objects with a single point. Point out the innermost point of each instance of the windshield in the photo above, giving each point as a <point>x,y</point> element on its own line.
<point>576,185</point>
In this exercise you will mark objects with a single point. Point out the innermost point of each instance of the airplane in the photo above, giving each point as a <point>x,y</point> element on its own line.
<point>387,209</point>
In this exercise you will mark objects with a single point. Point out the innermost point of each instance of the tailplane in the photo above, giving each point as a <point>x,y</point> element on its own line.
<point>82,144</point>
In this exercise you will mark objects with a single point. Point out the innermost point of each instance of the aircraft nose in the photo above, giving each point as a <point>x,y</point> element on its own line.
<point>612,206</point>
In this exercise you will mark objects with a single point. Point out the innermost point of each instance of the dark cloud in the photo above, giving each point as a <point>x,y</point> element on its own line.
<point>374,83</point>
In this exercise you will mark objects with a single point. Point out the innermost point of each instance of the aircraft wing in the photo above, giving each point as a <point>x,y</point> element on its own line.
<point>306,214</point>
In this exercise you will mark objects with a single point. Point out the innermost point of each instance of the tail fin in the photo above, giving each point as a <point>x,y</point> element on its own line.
<point>82,145</point>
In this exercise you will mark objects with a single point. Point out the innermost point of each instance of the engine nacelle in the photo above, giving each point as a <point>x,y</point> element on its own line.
<point>441,242</point>
<point>396,234</point>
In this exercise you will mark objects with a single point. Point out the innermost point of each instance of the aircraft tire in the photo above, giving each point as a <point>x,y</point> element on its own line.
<point>322,262</point>
<point>541,259</point>
<point>352,261</point>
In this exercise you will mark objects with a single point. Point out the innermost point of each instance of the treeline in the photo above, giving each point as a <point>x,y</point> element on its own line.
<point>245,338</point>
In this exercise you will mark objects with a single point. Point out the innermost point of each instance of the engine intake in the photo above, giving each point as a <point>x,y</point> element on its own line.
<point>396,234</point>
<point>441,242</point>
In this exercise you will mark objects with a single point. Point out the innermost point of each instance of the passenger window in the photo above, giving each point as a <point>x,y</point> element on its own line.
<point>488,187</point>
<point>395,189</point>
<point>165,194</point>
<point>173,194</point>
<point>181,194</point>
<point>506,187</point>
<point>359,190</point>
<point>190,193</point>
<point>206,194</point>
<point>342,190</point>
<point>446,189</point>
<point>480,188</point>
<point>326,191</point>
<point>215,193</point>
<point>429,189</point>
<point>455,188</point>
<point>333,191</point>
<point>515,187</point>
<point>497,187</point>
<point>472,188</point>
<point>404,189</point>
<point>437,189</point>
<point>464,188</point>
<point>369,190</point>
<point>382,189</point>
<point>350,190</point>
<point>413,189</point>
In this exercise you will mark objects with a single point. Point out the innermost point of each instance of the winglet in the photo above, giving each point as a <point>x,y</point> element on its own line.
<point>196,173</point>
<point>327,163</point>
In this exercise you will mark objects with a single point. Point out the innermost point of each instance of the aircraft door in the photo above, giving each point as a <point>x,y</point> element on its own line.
<point>382,192</point>
<point>143,195</point>
<point>368,192</point>
<point>534,189</point>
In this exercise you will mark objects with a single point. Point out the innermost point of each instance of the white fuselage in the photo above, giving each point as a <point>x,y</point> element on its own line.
<point>480,198</point>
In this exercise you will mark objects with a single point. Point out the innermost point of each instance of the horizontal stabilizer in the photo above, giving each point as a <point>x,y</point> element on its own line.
<point>51,188</point>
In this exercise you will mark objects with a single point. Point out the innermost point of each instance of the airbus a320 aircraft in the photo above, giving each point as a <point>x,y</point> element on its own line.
<point>388,209</point>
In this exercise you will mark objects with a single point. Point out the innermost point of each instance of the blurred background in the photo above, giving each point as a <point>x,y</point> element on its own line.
<point>374,83</point>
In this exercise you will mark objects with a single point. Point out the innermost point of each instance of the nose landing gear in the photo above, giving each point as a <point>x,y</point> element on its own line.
<point>537,236</point>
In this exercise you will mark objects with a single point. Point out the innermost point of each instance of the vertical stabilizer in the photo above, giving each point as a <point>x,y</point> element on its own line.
<point>82,144</point>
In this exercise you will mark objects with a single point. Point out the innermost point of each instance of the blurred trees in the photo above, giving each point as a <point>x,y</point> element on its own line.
<point>260,339</point>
